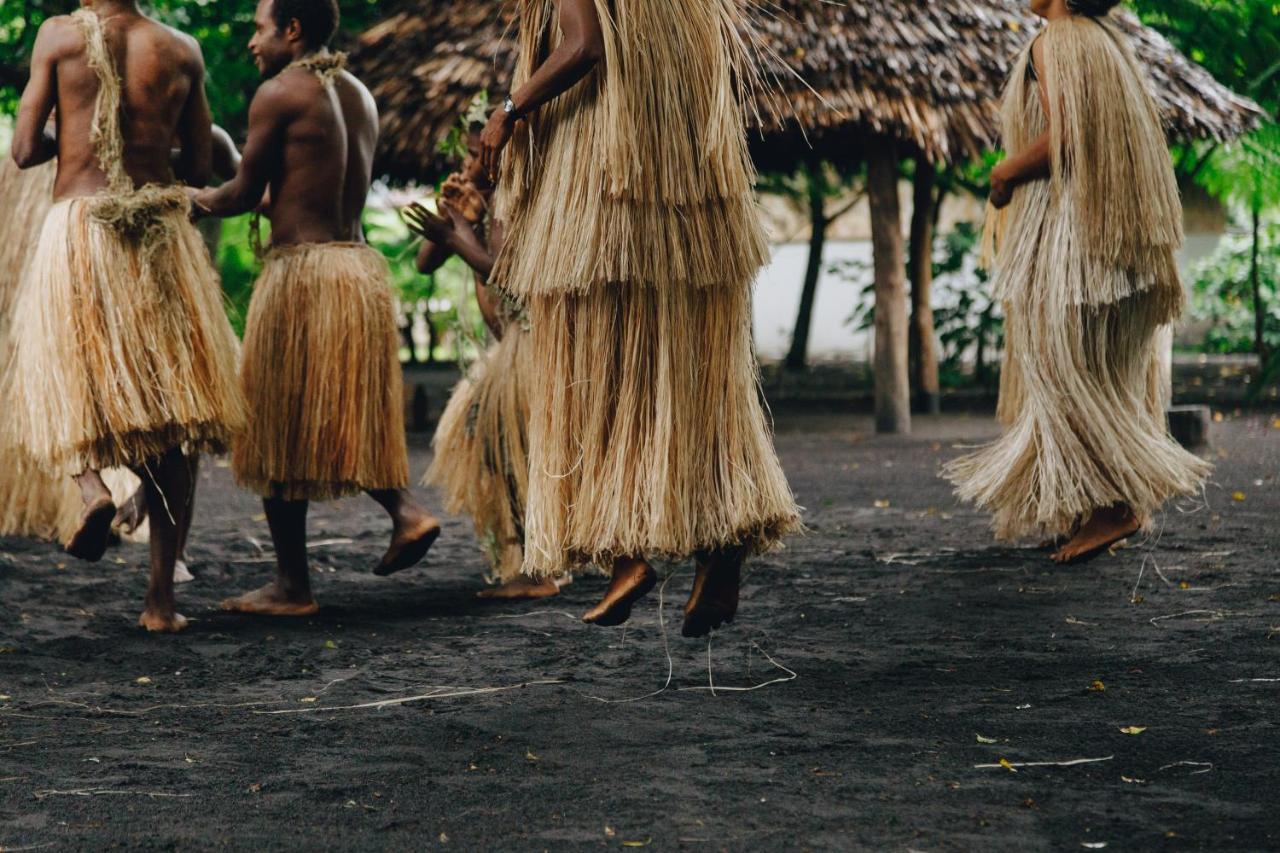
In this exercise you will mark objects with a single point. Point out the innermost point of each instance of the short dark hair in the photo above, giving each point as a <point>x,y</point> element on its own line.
<point>318,18</point>
<point>1092,8</point>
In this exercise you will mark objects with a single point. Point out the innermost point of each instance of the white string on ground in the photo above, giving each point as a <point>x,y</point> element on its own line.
<point>666,648</point>
<point>100,792</point>
<point>1216,614</point>
<point>1071,763</point>
<point>1207,765</point>
<point>437,693</point>
<point>565,613</point>
<point>791,675</point>
<point>711,680</point>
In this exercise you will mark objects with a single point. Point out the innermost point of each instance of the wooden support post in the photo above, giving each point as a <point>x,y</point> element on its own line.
<point>893,387</point>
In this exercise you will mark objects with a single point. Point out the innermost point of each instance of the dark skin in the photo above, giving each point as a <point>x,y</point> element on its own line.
<point>163,96</point>
<point>312,148</point>
<point>133,512</point>
<point>465,199</point>
<point>714,600</point>
<point>1106,526</point>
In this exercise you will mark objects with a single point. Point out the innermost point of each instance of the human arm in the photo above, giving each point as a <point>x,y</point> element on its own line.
<point>1033,162</point>
<point>32,142</point>
<point>451,232</point>
<point>226,157</point>
<point>194,165</point>
<point>268,117</point>
<point>581,48</point>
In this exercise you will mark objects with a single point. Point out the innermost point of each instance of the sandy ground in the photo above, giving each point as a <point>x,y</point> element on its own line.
<point>892,659</point>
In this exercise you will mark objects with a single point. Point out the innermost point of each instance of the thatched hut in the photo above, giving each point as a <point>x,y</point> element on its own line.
<point>879,82</point>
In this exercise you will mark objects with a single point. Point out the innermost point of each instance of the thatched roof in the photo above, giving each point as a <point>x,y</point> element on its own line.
<point>927,74</point>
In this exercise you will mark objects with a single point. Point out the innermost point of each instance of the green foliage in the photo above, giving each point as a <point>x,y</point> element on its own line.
<point>455,144</point>
<point>966,319</point>
<point>222,28</point>
<point>238,268</point>
<point>1222,293</point>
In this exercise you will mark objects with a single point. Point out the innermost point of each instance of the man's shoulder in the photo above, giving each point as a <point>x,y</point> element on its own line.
<point>356,86</point>
<point>183,47</point>
<point>60,35</point>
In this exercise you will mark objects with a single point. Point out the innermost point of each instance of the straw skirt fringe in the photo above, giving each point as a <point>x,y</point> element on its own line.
<point>322,377</point>
<point>121,350</point>
<point>1083,410</point>
<point>647,435</point>
<point>481,451</point>
<point>31,499</point>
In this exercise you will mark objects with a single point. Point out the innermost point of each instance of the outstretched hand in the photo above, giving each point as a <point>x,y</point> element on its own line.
<point>428,225</point>
<point>461,195</point>
<point>494,138</point>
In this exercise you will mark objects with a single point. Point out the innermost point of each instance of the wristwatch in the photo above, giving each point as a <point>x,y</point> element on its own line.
<point>509,107</point>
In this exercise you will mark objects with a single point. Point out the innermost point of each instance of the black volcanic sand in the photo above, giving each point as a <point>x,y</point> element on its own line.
<point>897,651</point>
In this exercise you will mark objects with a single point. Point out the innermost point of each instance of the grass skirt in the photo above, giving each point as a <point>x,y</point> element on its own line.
<point>33,501</point>
<point>322,377</point>
<point>1083,407</point>
<point>120,347</point>
<point>647,435</point>
<point>481,451</point>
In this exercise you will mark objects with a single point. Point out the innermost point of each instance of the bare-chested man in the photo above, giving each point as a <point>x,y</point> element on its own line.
<point>122,355</point>
<point>321,369</point>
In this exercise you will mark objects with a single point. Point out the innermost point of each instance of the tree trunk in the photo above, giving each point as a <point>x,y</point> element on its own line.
<point>924,353</point>
<point>798,355</point>
<point>893,386</point>
<point>1259,310</point>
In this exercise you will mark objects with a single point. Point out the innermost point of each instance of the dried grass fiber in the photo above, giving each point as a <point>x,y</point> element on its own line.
<point>633,238</point>
<point>481,451</point>
<point>322,376</point>
<point>1086,271</point>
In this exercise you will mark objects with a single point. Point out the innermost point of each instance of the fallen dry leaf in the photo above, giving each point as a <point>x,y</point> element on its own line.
<point>307,699</point>
<point>1005,763</point>
<point>644,843</point>
<point>1098,687</point>
<point>529,756</point>
<point>1238,497</point>
<point>882,504</point>
<point>982,739</point>
<point>1133,730</point>
<point>142,680</point>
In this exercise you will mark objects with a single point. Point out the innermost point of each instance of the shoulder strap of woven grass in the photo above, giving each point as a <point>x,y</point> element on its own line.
<point>105,133</point>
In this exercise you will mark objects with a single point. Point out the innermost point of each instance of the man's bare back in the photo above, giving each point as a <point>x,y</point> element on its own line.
<point>326,163</point>
<point>312,144</point>
<point>163,100</point>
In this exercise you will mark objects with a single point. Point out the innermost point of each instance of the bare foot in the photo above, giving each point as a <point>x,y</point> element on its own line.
<point>520,589</point>
<point>132,513</point>
<point>714,599</point>
<point>162,622</point>
<point>632,580</point>
<point>271,601</point>
<point>1104,529</point>
<point>410,542</point>
<point>90,540</point>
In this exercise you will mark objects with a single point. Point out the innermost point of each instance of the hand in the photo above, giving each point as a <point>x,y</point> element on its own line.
<point>461,195</point>
<point>494,137</point>
<point>428,225</point>
<point>199,210</point>
<point>1002,187</point>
